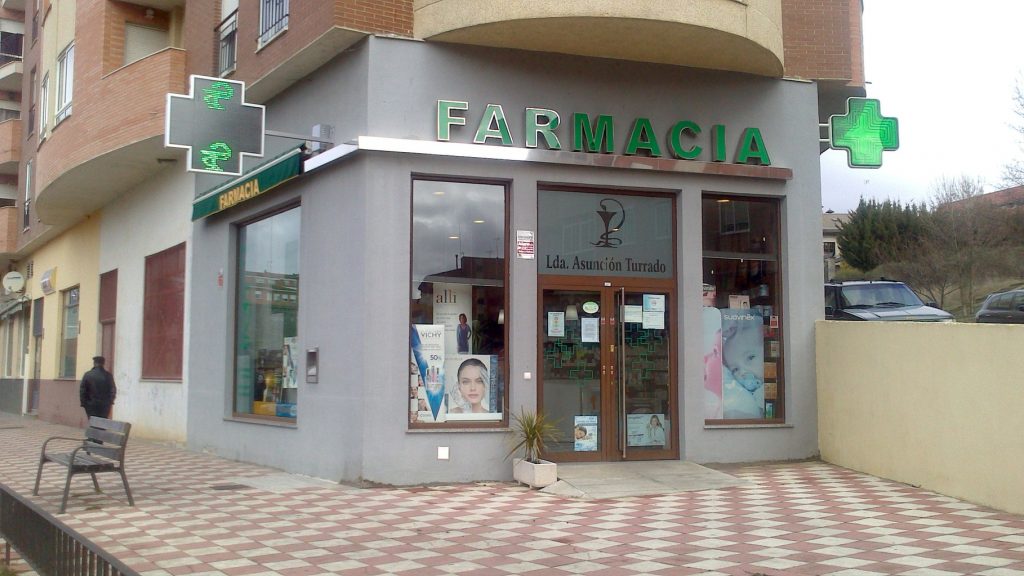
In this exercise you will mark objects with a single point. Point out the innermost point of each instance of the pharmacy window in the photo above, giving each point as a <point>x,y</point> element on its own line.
<point>266,317</point>
<point>742,315</point>
<point>458,365</point>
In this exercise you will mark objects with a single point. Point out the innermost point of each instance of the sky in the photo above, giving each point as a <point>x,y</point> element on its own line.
<point>946,70</point>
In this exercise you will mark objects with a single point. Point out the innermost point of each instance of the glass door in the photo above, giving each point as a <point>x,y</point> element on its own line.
<point>608,372</point>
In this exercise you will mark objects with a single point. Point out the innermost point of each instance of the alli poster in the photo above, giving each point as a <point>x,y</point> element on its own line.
<point>452,308</point>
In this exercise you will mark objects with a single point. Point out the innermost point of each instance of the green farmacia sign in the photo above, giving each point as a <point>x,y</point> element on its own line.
<point>684,140</point>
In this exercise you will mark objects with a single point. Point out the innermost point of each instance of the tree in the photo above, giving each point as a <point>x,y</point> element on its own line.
<point>1013,173</point>
<point>972,237</point>
<point>878,233</point>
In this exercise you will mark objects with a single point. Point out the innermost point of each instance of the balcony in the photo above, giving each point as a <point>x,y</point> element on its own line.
<point>18,5</point>
<point>112,141</point>
<point>713,34</point>
<point>10,146</point>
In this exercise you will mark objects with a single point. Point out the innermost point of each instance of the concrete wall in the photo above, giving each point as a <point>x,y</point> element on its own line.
<point>155,216</point>
<point>934,405</point>
<point>355,238</point>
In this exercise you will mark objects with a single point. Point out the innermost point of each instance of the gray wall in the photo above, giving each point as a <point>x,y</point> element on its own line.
<point>355,252</point>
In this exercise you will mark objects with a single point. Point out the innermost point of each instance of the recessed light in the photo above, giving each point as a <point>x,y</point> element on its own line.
<point>478,221</point>
<point>453,237</point>
<point>439,193</point>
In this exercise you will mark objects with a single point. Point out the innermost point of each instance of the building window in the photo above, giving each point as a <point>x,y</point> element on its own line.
<point>32,86</point>
<point>273,19</point>
<point>15,336</point>
<point>10,47</point>
<point>65,82</point>
<point>44,104</point>
<point>266,329</point>
<point>69,333</point>
<point>227,32</point>
<point>163,318</point>
<point>458,364</point>
<point>26,219</point>
<point>830,249</point>
<point>742,318</point>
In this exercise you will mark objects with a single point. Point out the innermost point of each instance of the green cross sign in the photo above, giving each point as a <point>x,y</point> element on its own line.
<point>215,125</point>
<point>864,133</point>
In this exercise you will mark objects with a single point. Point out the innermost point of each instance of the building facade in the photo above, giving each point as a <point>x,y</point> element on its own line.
<point>604,212</point>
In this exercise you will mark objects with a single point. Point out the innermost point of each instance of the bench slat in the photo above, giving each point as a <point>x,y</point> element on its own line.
<point>106,436</point>
<point>112,425</point>
<point>107,452</point>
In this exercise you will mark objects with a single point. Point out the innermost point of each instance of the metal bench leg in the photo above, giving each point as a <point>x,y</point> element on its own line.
<point>35,491</point>
<point>94,482</point>
<point>67,488</point>
<point>127,490</point>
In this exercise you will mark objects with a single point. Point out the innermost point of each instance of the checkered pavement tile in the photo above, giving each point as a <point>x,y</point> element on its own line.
<point>198,514</point>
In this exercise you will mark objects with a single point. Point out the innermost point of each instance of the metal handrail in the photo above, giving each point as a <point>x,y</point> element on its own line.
<point>227,34</point>
<point>48,545</point>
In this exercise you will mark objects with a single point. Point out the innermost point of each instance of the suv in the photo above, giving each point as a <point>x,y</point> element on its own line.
<point>878,300</point>
<point>1003,308</point>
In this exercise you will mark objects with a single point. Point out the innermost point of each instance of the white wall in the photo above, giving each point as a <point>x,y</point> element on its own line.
<point>152,217</point>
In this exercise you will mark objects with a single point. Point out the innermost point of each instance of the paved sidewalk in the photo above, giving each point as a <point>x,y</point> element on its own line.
<point>198,514</point>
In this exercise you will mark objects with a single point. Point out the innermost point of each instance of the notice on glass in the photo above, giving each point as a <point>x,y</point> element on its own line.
<point>585,434</point>
<point>525,246</point>
<point>632,313</point>
<point>590,330</point>
<point>654,320</point>
<point>654,302</point>
<point>556,324</point>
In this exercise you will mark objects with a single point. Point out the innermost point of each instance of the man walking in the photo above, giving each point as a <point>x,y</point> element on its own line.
<point>97,390</point>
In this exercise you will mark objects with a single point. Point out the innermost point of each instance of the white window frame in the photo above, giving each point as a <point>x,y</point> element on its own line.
<point>27,207</point>
<point>270,31</point>
<point>65,82</point>
<point>44,105</point>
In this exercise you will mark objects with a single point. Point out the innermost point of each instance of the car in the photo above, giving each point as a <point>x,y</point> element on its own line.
<point>878,300</point>
<point>1002,308</point>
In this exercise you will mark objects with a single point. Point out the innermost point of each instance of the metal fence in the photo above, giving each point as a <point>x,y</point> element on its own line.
<point>227,32</point>
<point>48,545</point>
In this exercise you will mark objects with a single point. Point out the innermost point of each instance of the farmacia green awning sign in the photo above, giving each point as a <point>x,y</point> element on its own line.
<point>684,139</point>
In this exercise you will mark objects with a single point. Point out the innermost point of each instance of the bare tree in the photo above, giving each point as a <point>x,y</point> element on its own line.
<point>1013,173</point>
<point>971,233</point>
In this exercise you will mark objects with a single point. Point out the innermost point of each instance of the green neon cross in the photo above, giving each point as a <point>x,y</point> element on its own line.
<point>864,133</point>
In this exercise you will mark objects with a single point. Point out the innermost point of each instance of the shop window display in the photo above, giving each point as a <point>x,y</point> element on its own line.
<point>742,316</point>
<point>457,362</point>
<point>267,307</point>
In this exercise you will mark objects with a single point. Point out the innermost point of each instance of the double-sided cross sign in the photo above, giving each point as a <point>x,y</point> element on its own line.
<point>864,133</point>
<point>215,125</point>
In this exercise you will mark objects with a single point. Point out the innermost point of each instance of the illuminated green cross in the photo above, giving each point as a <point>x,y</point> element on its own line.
<point>215,124</point>
<point>864,133</point>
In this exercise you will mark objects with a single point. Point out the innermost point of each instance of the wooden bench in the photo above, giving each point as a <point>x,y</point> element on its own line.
<point>102,450</point>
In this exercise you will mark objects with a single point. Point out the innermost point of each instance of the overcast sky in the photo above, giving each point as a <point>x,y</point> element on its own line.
<point>946,69</point>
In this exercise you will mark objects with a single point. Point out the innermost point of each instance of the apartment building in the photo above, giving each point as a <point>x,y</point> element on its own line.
<point>600,210</point>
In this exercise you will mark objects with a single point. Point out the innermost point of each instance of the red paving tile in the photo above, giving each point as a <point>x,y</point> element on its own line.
<point>789,518</point>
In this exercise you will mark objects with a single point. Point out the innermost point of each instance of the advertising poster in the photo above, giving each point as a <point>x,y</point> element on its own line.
<point>590,330</point>
<point>556,324</point>
<point>646,429</point>
<point>585,433</point>
<point>472,384</point>
<point>427,349</point>
<point>289,358</point>
<point>453,304</point>
<point>712,319</point>
<point>742,363</point>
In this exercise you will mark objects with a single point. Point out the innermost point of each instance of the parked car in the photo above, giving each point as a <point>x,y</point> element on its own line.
<point>878,300</point>
<point>1002,308</point>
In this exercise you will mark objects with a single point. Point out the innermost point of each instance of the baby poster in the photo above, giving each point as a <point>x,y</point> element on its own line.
<point>585,434</point>
<point>712,320</point>
<point>742,363</point>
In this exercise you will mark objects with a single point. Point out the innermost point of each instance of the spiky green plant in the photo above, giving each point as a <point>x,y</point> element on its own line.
<point>532,431</point>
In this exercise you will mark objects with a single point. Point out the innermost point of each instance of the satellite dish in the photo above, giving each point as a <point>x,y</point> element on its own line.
<point>14,282</point>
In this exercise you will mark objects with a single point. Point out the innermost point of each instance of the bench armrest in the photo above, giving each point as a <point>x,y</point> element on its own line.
<point>78,440</point>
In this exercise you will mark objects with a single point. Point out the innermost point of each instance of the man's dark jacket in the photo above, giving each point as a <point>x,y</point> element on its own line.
<point>97,390</point>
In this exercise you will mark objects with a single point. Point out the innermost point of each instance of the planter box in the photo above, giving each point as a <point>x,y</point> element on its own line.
<point>534,475</point>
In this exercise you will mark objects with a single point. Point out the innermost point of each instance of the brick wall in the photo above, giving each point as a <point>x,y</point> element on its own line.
<point>823,39</point>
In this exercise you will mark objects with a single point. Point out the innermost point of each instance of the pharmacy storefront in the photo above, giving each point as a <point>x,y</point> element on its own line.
<point>631,249</point>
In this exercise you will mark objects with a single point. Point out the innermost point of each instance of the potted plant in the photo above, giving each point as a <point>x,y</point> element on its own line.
<point>532,431</point>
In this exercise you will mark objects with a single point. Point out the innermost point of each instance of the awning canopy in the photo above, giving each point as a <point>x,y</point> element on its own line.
<point>250,185</point>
